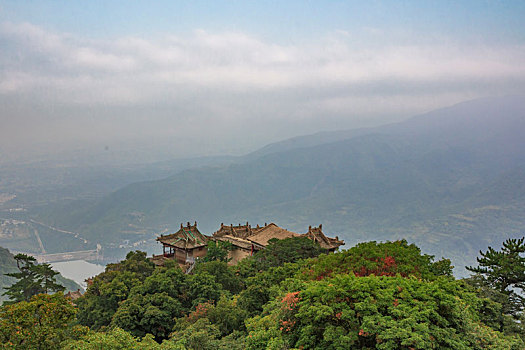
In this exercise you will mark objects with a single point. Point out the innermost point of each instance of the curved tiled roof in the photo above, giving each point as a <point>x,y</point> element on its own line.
<point>240,242</point>
<point>262,234</point>
<point>316,234</point>
<point>271,231</point>
<point>187,237</point>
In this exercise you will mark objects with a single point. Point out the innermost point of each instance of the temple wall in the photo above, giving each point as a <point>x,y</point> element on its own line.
<point>237,254</point>
<point>199,252</point>
<point>180,255</point>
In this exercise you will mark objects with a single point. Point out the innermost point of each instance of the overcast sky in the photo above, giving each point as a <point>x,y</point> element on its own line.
<point>212,77</point>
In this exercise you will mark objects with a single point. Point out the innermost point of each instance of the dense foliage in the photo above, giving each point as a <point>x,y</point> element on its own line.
<point>289,296</point>
<point>384,259</point>
<point>41,323</point>
<point>349,312</point>
<point>218,251</point>
<point>112,287</point>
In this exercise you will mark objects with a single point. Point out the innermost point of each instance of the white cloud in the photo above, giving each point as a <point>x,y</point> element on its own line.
<point>227,80</point>
<point>231,61</point>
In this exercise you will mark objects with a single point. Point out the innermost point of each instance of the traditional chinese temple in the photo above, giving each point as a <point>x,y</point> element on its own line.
<point>188,243</point>
<point>184,246</point>
<point>246,239</point>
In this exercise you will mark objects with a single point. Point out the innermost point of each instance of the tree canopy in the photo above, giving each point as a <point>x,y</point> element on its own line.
<point>41,323</point>
<point>384,295</point>
<point>218,251</point>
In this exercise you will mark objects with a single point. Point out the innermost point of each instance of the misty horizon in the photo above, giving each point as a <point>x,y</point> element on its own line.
<point>179,83</point>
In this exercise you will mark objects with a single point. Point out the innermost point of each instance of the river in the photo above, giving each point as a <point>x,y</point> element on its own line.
<point>78,270</point>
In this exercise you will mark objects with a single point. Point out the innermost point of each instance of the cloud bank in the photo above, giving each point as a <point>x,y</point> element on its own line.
<point>203,84</point>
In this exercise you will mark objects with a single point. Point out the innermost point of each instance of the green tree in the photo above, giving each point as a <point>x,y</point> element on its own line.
<point>169,279</point>
<point>278,252</point>
<point>218,251</point>
<point>41,323</point>
<point>100,302</point>
<point>260,287</point>
<point>116,339</point>
<point>382,312</point>
<point>198,335</point>
<point>504,270</point>
<point>103,297</point>
<point>32,279</point>
<point>227,316</point>
<point>148,314</point>
<point>152,305</point>
<point>494,311</point>
<point>136,262</point>
<point>380,259</point>
<point>202,287</point>
<point>201,334</point>
<point>224,275</point>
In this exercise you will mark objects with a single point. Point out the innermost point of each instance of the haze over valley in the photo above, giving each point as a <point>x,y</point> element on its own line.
<point>452,181</point>
<point>378,120</point>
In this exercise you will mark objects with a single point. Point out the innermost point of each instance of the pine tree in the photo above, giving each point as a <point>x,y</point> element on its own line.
<point>504,271</point>
<point>32,279</point>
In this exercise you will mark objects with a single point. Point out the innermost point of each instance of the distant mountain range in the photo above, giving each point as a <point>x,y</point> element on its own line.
<point>452,181</point>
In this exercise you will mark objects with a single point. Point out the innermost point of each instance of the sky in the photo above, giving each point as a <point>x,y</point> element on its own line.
<point>182,79</point>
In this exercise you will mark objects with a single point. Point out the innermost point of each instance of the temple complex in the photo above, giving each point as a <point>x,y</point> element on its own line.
<point>188,243</point>
<point>246,240</point>
<point>238,237</point>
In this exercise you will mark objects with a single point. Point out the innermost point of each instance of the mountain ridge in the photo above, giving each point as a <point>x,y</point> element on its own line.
<point>409,179</point>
